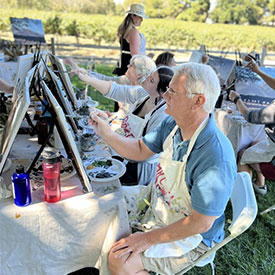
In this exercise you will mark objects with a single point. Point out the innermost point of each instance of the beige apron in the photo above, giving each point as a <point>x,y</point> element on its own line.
<point>170,199</point>
<point>133,125</point>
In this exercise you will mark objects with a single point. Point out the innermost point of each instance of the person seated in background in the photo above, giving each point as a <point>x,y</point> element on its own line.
<point>259,156</point>
<point>263,152</point>
<point>144,65</point>
<point>145,114</point>
<point>5,86</point>
<point>193,183</point>
<point>165,59</point>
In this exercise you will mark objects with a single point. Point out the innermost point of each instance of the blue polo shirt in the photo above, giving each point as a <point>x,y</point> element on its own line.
<point>210,171</point>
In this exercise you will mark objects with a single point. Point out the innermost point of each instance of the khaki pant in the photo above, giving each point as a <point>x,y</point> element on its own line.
<point>172,265</point>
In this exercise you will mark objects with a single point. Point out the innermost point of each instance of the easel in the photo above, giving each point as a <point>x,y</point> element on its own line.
<point>55,123</point>
<point>47,108</point>
<point>36,58</point>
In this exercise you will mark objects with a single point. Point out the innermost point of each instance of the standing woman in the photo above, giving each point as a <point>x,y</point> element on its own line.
<point>131,41</point>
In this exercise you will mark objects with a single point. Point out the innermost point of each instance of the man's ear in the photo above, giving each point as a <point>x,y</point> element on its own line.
<point>199,101</point>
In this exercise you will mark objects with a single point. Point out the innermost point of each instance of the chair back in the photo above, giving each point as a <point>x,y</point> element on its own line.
<point>244,204</point>
<point>244,208</point>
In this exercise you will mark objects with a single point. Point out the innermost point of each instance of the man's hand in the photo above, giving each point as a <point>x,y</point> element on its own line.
<point>132,245</point>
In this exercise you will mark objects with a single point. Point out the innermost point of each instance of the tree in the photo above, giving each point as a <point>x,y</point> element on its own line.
<point>176,7</point>
<point>154,8</point>
<point>128,3</point>
<point>261,4</point>
<point>53,26</point>
<point>104,6</point>
<point>236,12</point>
<point>271,7</point>
<point>73,29</point>
<point>270,19</point>
<point>197,12</point>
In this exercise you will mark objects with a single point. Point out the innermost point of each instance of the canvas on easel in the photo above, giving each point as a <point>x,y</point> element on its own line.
<point>24,64</point>
<point>60,95</point>
<point>27,31</point>
<point>253,89</point>
<point>66,136</point>
<point>15,119</point>
<point>60,69</point>
<point>224,68</point>
<point>196,57</point>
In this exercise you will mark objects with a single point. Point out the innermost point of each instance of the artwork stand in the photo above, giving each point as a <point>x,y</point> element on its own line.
<point>31,166</point>
<point>72,152</point>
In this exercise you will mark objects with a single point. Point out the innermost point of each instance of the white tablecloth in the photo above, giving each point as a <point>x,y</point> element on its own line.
<point>240,132</point>
<point>76,232</point>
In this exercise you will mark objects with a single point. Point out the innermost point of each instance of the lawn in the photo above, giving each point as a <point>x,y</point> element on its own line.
<point>252,252</point>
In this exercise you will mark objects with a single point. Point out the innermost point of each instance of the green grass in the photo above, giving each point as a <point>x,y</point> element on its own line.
<point>251,253</point>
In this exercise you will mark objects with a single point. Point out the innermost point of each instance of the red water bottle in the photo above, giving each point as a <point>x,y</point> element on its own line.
<point>51,172</point>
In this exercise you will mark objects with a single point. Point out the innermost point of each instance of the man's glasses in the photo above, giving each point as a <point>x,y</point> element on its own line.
<point>172,92</point>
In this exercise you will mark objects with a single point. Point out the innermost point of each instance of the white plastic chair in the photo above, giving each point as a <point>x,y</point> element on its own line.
<point>268,210</point>
<point>245,209</point>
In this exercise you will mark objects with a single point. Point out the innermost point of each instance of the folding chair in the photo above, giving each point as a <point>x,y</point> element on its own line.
<point>268,210</point>
<point>245,209</point>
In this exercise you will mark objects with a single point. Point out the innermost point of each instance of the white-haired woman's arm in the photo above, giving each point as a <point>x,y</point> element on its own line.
<point>101,85</point>
<point>123,80</point>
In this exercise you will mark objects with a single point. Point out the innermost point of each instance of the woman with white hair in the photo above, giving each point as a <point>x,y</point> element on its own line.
<point>143,64</point>
<point>146,112</point>
<point>131,40</point>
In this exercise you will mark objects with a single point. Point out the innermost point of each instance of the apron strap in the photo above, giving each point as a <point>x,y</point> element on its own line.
<point>192,140</point>
<point>146,125</point>
<point>194,137</point>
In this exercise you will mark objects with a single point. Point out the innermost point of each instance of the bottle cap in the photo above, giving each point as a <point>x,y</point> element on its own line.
<point>19,169</point>
<point>50,155</point>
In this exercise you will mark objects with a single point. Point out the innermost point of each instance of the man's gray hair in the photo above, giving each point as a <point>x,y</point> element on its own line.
<point>144,66</point>
<point>201,79</point>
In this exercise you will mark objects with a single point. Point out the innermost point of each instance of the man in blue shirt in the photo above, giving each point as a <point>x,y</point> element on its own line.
<point>193,182</point>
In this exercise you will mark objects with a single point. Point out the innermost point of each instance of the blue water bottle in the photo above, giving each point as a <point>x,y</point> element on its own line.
<point>21,187</point>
